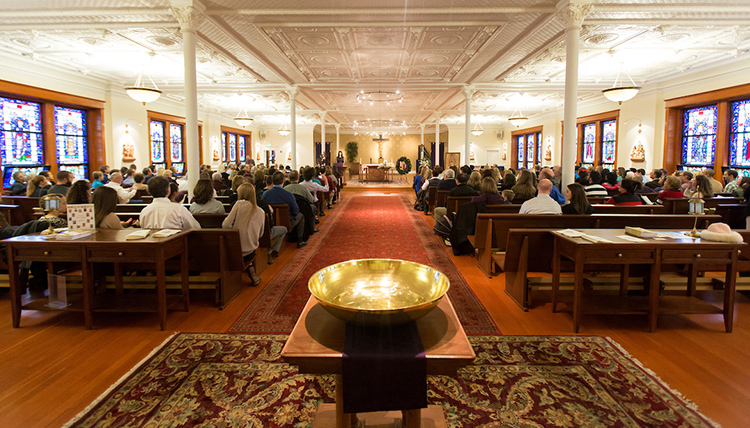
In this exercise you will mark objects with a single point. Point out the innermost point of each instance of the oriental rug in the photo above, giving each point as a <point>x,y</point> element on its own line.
<point>236,380</point>
<point>366,225</point>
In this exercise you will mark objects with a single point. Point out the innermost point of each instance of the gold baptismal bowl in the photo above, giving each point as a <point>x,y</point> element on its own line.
<point>378,291</point>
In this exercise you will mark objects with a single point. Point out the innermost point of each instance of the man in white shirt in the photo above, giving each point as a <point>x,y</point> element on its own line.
<point>115,182</point>
<point>162,213</point>
<point>542,203</point>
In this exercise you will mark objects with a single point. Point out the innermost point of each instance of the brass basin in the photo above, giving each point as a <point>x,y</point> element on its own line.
<point>378,291</point>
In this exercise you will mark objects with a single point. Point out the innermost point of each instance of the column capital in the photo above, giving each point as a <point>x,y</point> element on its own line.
<point>293,91</point>
<point>323,115</point>
<point>573,12</point>
<point>189,14</point>
<point>438,116</point>
<point>422,126</point>
<point>468,92</point>
<point>337,126</point>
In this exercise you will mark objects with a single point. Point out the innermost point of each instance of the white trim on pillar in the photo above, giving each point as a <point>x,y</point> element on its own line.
<point>293,126</point>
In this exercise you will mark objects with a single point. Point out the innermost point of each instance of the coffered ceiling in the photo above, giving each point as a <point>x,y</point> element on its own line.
<point>511,53</point>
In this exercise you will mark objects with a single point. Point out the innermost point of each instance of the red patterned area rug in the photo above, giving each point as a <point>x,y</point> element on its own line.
<point>369,225</point>
<point>236,380</point>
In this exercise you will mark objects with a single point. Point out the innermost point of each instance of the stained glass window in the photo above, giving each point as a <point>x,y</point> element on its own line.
<point>232,147</point>
<point>179,168</point>
<point>699,136</point>
<point>70,136</point>
<point>539,148</point>
<point>175,137</point>
<point>739,139</point>
<point>521,150</point>
<point>157,142</point>
<point>530,151</point>
<point>609,141</point>
<point>223,146</point>
<point>240,148</point>
<point>21,141</point>
<point>589,143</point>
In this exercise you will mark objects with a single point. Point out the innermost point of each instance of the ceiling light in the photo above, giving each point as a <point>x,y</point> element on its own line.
<point>380,96</point>
<point>243,119</point>
<point>517,120</point>
<point>141,93</point>
<point>478,130</point>
<point>284,131</point>
<point>621,93</point>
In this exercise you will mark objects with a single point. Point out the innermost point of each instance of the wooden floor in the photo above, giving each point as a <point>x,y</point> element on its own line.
<point>52,368</point>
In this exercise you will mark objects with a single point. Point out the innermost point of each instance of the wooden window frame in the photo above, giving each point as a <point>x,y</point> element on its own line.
<point>48,99</point>
<point>169,119</point>
<point>598,119</point>
<point>675,108</point>
<point>537,131</point>
<point>237,132</point>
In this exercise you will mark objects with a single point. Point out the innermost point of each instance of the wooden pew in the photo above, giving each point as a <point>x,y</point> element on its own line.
<point>8,212</point>
<point>210,221</point>
<point>452,203</point>
<point>431,200</point>
<point>732,214</point>
<point>495,235</point>
<point>441,197</point>
<point>220,251</point>
<point>281,216</point>
<point>598,209</point>
<point>26,207</point>
<point>682,206</point>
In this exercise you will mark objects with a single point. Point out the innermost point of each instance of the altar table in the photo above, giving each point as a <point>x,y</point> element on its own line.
<point>105,246</point>
<point>317,340</point>
<point>652,252</point>
<point>375,173</point>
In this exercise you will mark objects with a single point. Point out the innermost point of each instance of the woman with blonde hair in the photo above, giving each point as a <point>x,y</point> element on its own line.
<point>249,219</point>
<point>490,194</point>
<point>700,186</point>
<point>475,180</point>
<point>36,186</point>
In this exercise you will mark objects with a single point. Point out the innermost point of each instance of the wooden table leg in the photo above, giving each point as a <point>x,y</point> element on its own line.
<point>653,293</point>
<point>729,290</point>
<point>185,284</point>
<point>692,279</point>
<point>87,277</point>
<point>577,292</point>
<point>412,418</point>
<point>555,275</point>
<point>161,288</point>
<point>14,280</point>
<point>624,279</point>
<point>119,290</point>
<point>343,420</point>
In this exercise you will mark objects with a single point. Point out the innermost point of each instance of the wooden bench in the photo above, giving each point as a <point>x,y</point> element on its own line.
<point>598,209</point>
<point>281,216</point>
<point>219,251</point>
<point>491,230</point>
<point>441,197</point>
<point>682,206</point>
<point>732,214</point>
<point>452,203</point>
<point>26,209</point>
<point>210,221</point>
<point>8,211</point>
<point>431,200</point>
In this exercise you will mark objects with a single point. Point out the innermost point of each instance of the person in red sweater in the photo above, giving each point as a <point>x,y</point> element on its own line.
<point>671,189</point>
<point>627,194</point>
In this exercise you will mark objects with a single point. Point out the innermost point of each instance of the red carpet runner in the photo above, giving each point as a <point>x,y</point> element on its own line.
<point>367,225</point>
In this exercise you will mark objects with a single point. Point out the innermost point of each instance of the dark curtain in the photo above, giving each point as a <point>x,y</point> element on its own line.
<point>318,153</point>
<point>437,157</point>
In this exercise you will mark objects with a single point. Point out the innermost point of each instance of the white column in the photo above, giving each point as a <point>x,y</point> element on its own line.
<point>572,14</point>
<point>293,125</point>
<point>437,137</point>
<point>338,140</point>
<point>189,13</point>
<point>467,132</point>
<point>322,132</point>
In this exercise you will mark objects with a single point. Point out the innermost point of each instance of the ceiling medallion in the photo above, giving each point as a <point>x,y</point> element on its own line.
<point>445,40</point>
<point>314,40</point>
<point>162,41</point>
<point>386,97</point>
<point>380,127</point>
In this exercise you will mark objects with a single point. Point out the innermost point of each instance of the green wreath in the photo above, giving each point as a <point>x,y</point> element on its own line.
<point>403,160</point>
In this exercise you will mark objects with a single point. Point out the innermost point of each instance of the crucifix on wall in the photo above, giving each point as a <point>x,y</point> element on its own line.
<point>380,140</point>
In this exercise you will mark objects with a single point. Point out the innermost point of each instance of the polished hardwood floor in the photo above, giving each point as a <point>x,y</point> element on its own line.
<point>52,368</point>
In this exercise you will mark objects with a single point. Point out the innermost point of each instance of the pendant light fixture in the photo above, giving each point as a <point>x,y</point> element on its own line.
<point>141,93</point>
<point>284,131</point>
<point>243,119</point>
<point>621,93</point>
<point>477,130</point>
<point>517,120</point>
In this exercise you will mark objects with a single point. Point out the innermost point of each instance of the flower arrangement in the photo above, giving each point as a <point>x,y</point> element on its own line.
<point>386,165</point>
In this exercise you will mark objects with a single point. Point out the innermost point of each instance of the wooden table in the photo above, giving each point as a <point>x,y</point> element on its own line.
<point>317,340</point>
<point>105,246</point>
<point>691,252</point>
<point>375,173</point>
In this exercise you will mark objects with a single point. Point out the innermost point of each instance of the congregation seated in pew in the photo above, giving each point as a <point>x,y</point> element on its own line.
<point>162,212</point>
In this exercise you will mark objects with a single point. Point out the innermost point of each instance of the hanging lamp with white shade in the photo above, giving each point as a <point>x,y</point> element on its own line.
<point>141,93</point>
<point>477,130</point>
<point>517,120</point>
<point>622,92</point>
<point>243,119</point>
<point>284,131</point>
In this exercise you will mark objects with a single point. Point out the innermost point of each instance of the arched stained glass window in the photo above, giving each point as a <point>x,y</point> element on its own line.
<point>241,148</point>
<point>530,144</point>
<point>176,145</point>
<point>521,150</point>
<point>589,143</point>
<point>232,147</point>
<point>223,146</point>
<point>71,141</point>
<point>156,138</point>
<point>609,142</point>
<point>539,148</point>
<point>21,141</point>
<point>699,136</point>
<point>739,140</point>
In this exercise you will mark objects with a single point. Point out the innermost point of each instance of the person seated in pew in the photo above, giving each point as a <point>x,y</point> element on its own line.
<point>524,187</point>
<point>161,212</point>
<point>63,181</point>
<point>489,195</point>
<point>542,203</point>
<point>277,195</point>
<point>594,189</point>
<point>138,182</point>
<point>19,184</point>
<point>295,188</point>
<point>733,186</point>
<point>555,193</point>
<point>463,188</point>
<point>577,202</point>
<point>204,201</point>
<point>115,182</point>
<point>250,220</point>
<point>671,189</point>
<point>449,180</point>
<point>105,203</point>
<point>508,195</point>
<point>236,182</point>
<point>627,196</point>
<point>700,186</point>
<point>79,193</point>
<point>474,181</point>
<point>314,186</point>
<point>276,231</point>
<point>36,187</point>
